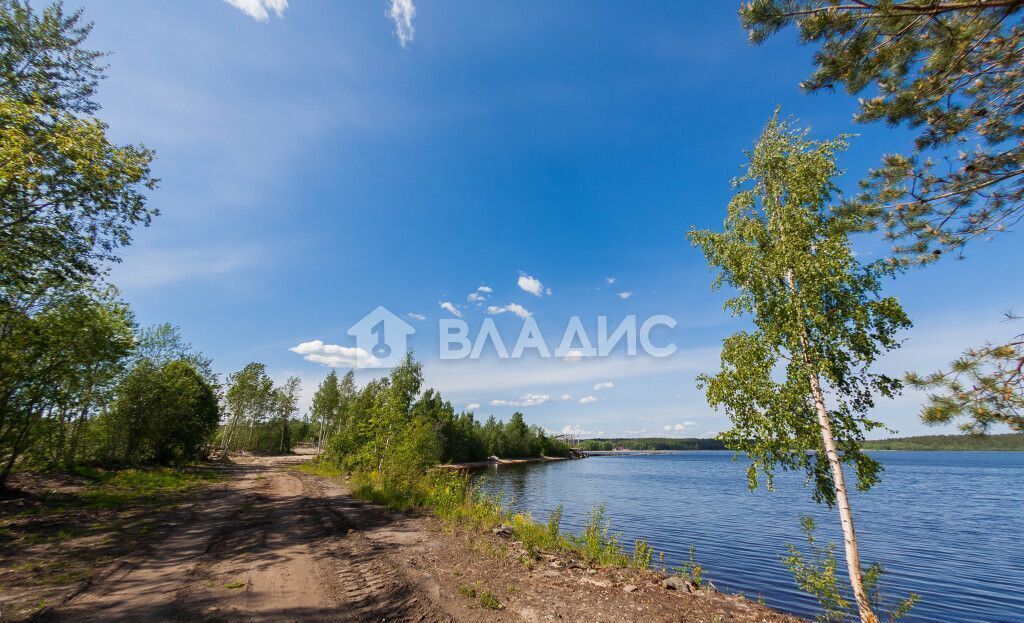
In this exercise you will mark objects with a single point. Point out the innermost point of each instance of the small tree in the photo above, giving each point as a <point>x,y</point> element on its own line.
<point>286,400</point>
<point>248,400</point>
<point>819,325</point>
<point>163,413</point>
<point>326,401</point>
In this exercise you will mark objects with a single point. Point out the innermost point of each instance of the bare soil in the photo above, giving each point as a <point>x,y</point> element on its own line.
<point>273,544</point>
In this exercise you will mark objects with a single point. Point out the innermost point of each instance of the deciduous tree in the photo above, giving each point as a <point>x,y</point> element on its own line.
<point>953,72</point>
<point>798,385</point>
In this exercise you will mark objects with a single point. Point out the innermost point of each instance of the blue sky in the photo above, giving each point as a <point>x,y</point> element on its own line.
<point>319,159</point>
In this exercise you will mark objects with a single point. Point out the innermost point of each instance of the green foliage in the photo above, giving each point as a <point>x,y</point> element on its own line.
<point>393,431</point>
<point>58,368</point>
<point>488,600</point>
<point>260,415</point>
<point>815,574</point>
<point>450,495</point>
<point>951,442</point>
<point>115,489</point>
<point>70,197</point>
<point>554,523</point>
<point>484,597</point>
<point>817,315</point>
<point>597,543</point>
<point>954,73</point>
<point>984,387</point>
<point>643,553</point>
<point>691,569</point>
<point>651,443</point>
<point>161,413</point>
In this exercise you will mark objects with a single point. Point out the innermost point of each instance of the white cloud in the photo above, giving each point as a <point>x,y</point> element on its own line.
<point>573,355</point>
<point>530,400</point>
<point>565,397</point>
<point>401,13</point>
<point>475,297</point>
<point>335,356</point>
<point>532,285</point>
<point>680,427</point>
<point>514,308</point>
<point>636,432</point>
<point>485,289</point>
<point>605,385</point>
<point>625,295</point>
<point>586,400</point>
<point>447,306</point>
<point>473,406</point>
<point>260,10</point>
<point>579,431</point>
<point>610,280</point>
<point>416,316</point>
<point>526,400</point>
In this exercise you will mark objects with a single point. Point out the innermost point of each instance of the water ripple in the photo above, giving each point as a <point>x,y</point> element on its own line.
<point>946,525</point>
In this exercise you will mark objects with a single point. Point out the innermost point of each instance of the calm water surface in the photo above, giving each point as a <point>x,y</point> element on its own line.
<point>946,525</point>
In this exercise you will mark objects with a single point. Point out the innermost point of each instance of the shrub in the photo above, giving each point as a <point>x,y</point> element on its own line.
<point>642,555</point>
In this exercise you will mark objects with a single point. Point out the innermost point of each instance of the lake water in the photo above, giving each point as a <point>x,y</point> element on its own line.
<point>946,525</point>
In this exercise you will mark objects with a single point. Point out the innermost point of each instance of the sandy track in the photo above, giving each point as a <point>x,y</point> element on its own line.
<point>291,547</point>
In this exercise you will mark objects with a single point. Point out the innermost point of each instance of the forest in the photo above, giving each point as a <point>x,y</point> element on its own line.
<point>651,443</point>
<point>1004,442</point>
<point>389,421</point>
<point>81,383</point>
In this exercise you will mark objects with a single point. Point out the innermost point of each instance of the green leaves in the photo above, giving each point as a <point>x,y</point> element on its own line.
<point>68,196</point>
<point>953,72</point>
<point>815,574</point>
<point>816,313</point>
<point>983,387</point>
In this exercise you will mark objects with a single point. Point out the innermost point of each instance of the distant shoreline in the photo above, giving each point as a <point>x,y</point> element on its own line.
<point>499,461</point>
<point>1007,442</point>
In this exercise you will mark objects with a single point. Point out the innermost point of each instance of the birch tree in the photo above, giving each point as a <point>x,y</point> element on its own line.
<point>952,73</point>
<point>325,407</point>
<point>798,385</point>
<point>286,399</point>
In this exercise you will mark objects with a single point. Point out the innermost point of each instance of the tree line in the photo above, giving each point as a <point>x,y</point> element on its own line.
<point>651,443</point>
<point>393,425</point>
<point>1007,442</point>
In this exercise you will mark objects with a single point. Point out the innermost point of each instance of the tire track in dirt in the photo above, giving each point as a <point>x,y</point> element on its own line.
<point>272,546</point>
<point>374,587</point>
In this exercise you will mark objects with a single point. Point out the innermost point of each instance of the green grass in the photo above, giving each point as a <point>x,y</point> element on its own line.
<point>484,597</point>
<point>235,585</point>
<point>320,468</point>
<point>450,496</point>
<point>119,488</point>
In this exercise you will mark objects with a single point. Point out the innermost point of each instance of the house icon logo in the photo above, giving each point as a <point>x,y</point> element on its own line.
<point>380,339</point>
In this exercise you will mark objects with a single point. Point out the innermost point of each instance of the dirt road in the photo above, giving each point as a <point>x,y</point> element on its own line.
<point>271,544</point>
